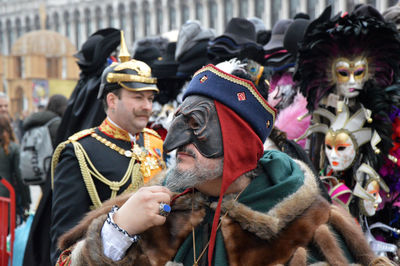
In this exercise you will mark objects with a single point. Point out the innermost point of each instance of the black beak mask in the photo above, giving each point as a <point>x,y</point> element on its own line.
<point>196,121</point>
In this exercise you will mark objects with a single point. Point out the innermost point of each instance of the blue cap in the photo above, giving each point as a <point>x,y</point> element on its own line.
<point>238,94</point>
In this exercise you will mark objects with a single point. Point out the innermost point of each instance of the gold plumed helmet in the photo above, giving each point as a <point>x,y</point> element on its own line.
<point>130,74</point>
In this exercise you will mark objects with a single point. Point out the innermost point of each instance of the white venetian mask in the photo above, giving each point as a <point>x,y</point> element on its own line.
<point>369,206</point>
<point>340,150</point>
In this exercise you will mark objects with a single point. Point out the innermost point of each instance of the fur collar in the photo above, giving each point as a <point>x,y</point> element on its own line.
<point>268,225</point>
<point>279,236</point>
<point>264,225</point>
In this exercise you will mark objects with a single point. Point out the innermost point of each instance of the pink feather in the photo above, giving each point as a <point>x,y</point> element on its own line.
<point>287,119</point>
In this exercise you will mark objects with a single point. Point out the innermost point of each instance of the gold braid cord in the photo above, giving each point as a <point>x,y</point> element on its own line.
<point>88,171</point>
<point>55,158</point>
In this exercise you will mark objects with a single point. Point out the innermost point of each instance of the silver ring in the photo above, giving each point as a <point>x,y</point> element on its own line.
<point>164,209</point>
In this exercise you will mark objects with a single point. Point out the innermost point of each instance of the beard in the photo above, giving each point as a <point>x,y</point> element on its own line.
<point>178,179</point>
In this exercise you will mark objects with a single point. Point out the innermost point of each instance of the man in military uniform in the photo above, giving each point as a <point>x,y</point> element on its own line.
<point>118,156</point>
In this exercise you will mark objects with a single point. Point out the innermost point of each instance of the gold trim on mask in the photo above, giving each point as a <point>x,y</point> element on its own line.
<point>352,67</point>
<point>336,138</point>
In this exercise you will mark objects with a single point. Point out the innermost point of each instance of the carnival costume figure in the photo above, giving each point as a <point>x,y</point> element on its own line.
<point>340,69</point>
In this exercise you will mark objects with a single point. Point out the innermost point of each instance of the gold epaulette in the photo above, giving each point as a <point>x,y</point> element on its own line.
<point>151,131</point>
<point>81,134</point>
<point>57,152</point>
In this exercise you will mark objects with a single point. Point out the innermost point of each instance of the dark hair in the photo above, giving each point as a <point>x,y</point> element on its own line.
<point>57,104</point>
<point>117,92</point>
<point>6,132</point>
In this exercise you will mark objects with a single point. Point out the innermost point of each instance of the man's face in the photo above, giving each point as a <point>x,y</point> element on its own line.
<point>350,76</point>
<point>131,110</point>
<point>192,168</point>
<point>340,150</point>
<point>3,106</point>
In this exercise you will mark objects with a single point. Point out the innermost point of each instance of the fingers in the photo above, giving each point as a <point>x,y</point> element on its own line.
<point>159,220</point>
<point>161,197</point>
<point>156,189</point>
<point>142,210</point>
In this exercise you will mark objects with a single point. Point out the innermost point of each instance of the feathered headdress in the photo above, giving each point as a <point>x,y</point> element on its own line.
<point>365,34</point>
<point>349,36</point>
<point>353,126</point>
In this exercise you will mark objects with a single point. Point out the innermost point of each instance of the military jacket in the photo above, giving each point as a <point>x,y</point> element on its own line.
<point>97,164</point>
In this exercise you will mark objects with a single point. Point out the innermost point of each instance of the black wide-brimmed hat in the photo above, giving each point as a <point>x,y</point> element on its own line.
<point>193,60</point>
<point>241,30</point>
<point>277,34</point>
<point>190,34</point>
<point>148,54</point>
<point>262,34</point>
<point>295,34</point>
<point>97,48</point>
<point>166,66</point>
<point>392,14</point>
<point>365,10</point>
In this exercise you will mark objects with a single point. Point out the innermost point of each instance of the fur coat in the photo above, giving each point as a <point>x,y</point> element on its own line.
<point>283,235</point>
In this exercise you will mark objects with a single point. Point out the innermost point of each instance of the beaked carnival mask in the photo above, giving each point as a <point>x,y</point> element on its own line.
<point>196,121</point>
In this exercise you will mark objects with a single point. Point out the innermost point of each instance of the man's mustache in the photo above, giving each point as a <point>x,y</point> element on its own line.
<point>147,114</point>
<point>187,150</point>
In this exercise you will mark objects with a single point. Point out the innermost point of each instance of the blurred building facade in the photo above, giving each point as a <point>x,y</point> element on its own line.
<point>40,64</point>
<point>75,20</point>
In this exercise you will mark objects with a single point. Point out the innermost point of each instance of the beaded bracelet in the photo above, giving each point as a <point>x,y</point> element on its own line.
<point>110,220</point>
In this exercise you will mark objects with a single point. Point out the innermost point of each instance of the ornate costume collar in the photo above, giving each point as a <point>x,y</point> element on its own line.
<point>111,130</point>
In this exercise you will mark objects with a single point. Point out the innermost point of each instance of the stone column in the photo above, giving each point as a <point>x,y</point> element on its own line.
<point>179,14</point>
<point>320,6</point>
<point>382,5</point>
<point>251,8</point>
<point>267,14</point>
<point>220,17</point>
<point>235,8</point>
<point>153,17</point>
<point>72,26</point>
<point>206,13</point>
<point>303,6</point>
<point>341,6</point>
<point>140,20</point>
<point>284,14</point>
<point>4,38</point>
<point>192,9</point>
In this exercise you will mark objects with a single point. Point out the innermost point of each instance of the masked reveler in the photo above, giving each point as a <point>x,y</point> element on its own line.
<point>349,64</point>
<point>344,136</point>
<point>231,202</point>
